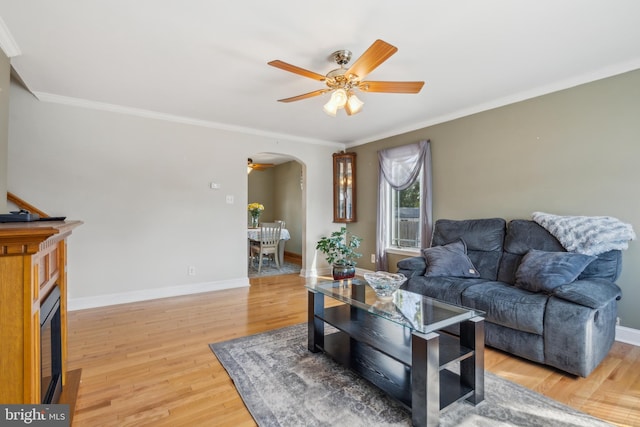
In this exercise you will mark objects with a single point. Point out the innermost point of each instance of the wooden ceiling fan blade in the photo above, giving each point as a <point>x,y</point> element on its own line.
<point>304,96</point>
<point>297,70</point>
<point>391,87</point>
<point>261,166</point>
<point>377,53</point>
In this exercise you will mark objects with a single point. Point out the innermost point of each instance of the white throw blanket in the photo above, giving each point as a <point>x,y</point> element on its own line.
<point>589,235</point>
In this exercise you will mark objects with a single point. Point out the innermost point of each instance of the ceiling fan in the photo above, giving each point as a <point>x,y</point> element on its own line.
<point>343,82</point>
<point>258,166</point>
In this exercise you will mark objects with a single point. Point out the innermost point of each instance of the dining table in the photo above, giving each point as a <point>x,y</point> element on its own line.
<point>253,234</point>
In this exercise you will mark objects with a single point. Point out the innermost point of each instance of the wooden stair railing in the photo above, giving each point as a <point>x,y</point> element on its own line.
<point>24,205</point>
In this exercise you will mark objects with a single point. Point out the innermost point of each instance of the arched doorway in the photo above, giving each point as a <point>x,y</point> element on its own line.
<point>278,184</point>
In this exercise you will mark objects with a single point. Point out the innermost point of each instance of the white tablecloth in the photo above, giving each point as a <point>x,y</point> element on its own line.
<point>254,234</point>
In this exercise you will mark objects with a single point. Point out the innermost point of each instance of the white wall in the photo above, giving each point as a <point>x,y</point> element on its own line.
<point>5,71</point>
<point>141,186</point>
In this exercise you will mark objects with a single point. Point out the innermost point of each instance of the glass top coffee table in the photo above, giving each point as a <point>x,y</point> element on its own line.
<point>399,346</point>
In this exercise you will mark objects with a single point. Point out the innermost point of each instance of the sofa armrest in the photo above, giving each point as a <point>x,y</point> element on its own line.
<point>412,266</point>
<point>592,293</point>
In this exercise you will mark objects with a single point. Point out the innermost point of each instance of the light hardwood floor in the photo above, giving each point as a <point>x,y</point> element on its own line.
<point>149,363</point>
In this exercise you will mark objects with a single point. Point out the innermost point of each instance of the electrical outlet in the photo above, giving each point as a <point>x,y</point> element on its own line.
<point>191,271</point>
<point>373,258</point>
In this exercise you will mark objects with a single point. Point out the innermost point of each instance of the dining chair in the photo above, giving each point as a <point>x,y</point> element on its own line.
<point>269,239</point>
<point>251,244</point>
<point>281,243</point>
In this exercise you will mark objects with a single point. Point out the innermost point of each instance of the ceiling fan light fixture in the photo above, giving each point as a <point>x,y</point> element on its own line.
<point>330,108</point>
<point>339,97</point>
<point>354,105</point>
<point>338,100</point>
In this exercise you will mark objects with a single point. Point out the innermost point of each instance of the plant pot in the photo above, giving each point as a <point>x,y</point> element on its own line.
<point>341,272</point>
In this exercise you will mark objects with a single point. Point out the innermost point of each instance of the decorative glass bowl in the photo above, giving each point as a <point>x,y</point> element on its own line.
<point>384,283</point>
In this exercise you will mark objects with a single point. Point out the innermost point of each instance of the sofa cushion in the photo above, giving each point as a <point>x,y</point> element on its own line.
<point>607,266</point>
<point>541,271</point>
<point>449,260</point>
<point>522,236</point>
<point>507,305</point>
<point>412,266</point>
<point>483,237</point>
<point>448,289</point>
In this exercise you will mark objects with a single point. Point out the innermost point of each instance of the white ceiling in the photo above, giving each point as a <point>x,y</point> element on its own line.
<point>205,62</point>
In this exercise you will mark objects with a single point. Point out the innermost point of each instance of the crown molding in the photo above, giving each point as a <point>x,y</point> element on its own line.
<point>132,111</point>
<point>7,42</point>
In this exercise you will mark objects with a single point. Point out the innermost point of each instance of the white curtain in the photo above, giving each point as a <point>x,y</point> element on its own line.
<point>399,167</point>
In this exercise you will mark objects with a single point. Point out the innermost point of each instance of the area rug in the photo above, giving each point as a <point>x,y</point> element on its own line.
<point>283,384</point>
<point>271,270</point>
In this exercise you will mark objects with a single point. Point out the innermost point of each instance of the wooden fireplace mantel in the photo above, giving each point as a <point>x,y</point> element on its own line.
<point>33,259</point>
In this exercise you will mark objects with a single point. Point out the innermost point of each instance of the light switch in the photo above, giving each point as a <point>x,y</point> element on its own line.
<point>215,186</point>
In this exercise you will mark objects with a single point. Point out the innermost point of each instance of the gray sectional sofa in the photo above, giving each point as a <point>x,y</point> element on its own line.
<point>541,302</point>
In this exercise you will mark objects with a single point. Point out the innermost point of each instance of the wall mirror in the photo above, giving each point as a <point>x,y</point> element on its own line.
<point>344,187</point>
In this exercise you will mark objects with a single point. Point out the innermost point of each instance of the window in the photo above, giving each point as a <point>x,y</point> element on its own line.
<point>404,199</point>
<point>405,217</point>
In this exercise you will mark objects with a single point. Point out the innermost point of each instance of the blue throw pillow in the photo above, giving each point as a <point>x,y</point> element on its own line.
<point>544,271</point>
<point>449,260</point>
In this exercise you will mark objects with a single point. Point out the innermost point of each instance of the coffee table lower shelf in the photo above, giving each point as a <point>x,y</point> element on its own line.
<point>388,374</point>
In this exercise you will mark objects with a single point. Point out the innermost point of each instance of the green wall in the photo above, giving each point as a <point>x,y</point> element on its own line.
<point>288,201</point>
<point>5,73</point>
<point>572,152</point>
<point>261,190</point>
<point>278,189</point>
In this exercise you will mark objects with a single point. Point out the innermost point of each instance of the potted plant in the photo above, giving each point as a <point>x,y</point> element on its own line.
<point>339,250</point>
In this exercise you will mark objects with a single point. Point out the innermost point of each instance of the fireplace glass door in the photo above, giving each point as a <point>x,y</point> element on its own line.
<point>50,348</point>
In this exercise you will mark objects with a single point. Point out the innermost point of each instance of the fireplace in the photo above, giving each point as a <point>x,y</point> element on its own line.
<point>50,348</point>
<point>33,333</point>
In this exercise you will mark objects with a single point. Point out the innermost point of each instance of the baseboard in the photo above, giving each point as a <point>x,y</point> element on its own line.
<point>628,335</point>
<point>327,271</point>
<point>308,272</point>
<point>293,256</point>
<point>316,272</point>
<point>150,294</point>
